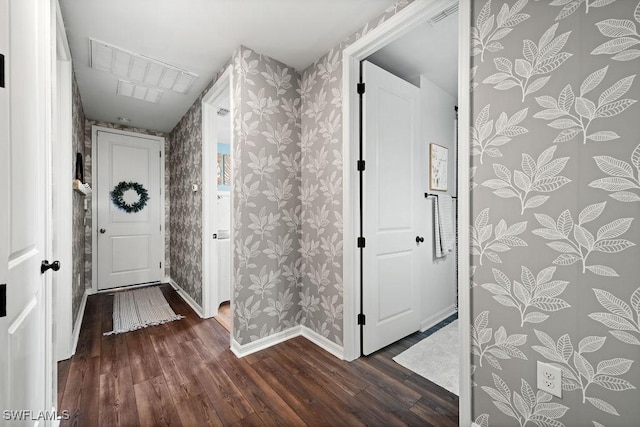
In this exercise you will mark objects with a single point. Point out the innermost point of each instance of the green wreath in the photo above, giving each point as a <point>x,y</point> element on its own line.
<point>118,193</point>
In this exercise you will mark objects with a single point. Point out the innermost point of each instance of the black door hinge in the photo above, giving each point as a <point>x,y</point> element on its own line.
<point>360,88</point>
<point>160,264</point>
<point>361,242</point>
<point>361,165</point>
<point>3,300</point>
<point>1,70</point>
<point>362,319</point>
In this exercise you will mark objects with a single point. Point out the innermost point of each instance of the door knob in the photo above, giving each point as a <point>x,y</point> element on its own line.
<point>55,266</point>
<point>419,239</point>
<point>102,231</point>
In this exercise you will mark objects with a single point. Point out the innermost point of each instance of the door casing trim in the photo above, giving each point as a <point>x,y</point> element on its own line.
<point>407,19</point>
<point>210,295</point>
<point>94,197</point>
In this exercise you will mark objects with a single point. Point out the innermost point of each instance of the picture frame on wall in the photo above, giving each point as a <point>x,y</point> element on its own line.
<point>438,167</point>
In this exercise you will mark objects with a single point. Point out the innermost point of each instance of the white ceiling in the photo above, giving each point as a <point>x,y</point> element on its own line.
<point>431,49</point>
<point>199,36</point>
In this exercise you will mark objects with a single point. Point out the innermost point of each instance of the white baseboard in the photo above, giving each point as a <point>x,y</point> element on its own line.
<point>78,323</point>
<point>266,342</point>
<point>323,342</point>
<point>186,297</point>
<point>296,331</point>
<point>437,317</point>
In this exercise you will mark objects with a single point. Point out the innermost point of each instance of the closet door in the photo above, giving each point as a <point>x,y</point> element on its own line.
<point>129,237</point>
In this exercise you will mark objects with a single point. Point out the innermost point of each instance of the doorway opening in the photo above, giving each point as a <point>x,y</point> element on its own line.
<point>409,96</point>
<point>129,232</point>
<point>217,203</point>
<point>376,227</point>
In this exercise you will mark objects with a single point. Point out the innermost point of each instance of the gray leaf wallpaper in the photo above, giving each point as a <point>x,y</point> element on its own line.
<point>266,206</point>
<point>78,252</point>
<point>556,159</point>
<point>321,193</point>
<point>184,159</point>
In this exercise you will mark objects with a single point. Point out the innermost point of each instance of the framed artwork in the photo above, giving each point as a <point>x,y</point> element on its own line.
<point>438,167</point>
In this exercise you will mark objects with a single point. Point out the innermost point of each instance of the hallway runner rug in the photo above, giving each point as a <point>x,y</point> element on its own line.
<point>140,308</point>
<point>436,358</point>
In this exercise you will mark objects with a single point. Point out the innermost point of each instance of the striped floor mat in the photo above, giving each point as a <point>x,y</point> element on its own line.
<point>139,308</point>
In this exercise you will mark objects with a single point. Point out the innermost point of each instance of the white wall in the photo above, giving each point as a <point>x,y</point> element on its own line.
<point>439,287</point>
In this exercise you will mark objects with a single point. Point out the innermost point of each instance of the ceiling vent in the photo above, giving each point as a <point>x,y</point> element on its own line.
<point>139,68</point>
<point>450,10</point>
<point>142,93</point>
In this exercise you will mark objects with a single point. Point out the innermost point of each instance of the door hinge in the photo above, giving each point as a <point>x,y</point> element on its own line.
<point>1,70</point>
<point>361,165</point>
<point>160,227</point>
<point>160,153</point>
<point>3,300</point>
<point>160,264</point>
<point>360,88</point>
<point>362,319</point>
<point>361,242</point>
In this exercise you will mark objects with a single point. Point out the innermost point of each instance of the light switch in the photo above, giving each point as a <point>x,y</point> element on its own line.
<point>194,187</point>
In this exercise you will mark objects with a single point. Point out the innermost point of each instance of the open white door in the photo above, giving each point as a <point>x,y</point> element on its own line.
<point>391,192</point>
<point>26,350</point>
<point>130,246</point>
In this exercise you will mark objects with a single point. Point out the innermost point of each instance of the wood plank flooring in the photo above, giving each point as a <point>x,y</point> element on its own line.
<point>225,317</point>
<point>183,373</point>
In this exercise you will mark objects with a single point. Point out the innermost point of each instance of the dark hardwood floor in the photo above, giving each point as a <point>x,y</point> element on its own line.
<point>183,373</point>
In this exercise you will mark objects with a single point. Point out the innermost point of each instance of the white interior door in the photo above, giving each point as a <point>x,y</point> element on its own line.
<point>130,247</point>
<point>392,192</point>
<point>25,124</point>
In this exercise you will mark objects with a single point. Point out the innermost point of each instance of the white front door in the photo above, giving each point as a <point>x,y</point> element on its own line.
<point>392,192</point>
<point>25,136</point>
<point>130,247</point>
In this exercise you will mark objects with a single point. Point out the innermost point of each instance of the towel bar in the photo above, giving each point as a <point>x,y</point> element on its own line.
<point>436,195</point>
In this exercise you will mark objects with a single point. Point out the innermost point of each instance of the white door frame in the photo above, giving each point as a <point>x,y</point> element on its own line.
<point>409,18</point>
<point>210,298</point>
<point>48,53</point>
<point>94,199</point>
<point>63,194</point>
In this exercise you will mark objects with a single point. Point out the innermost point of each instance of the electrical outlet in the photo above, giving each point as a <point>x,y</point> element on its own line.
<point>550,379</point>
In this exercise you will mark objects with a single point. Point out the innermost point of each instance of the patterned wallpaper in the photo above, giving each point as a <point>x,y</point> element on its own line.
<point>78,286</point>
<point>555,201</point>
<point>88,178</point>
<point>321,193</point>
<point>266,166</point>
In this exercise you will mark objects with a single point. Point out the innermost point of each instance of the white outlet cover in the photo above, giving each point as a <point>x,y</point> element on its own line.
<point>549,379</point>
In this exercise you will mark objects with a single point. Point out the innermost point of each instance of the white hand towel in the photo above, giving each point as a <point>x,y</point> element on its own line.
<point>443,225</point>
<point>446,220</point>
<point>436,229</point>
